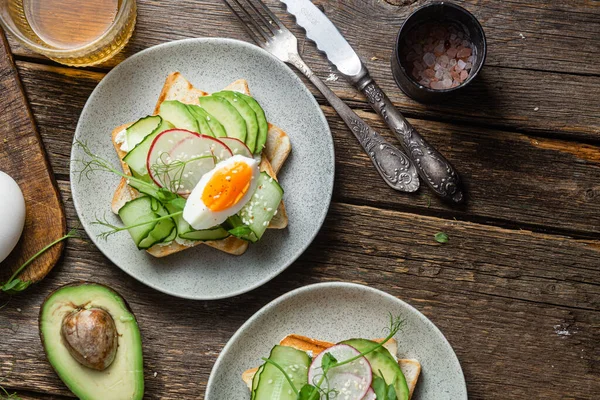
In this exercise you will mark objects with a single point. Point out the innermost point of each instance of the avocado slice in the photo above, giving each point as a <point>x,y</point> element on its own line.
<point>177,113</point>
<point>263,125</point>
<point>246,112</point>
<point>215,126</point>
<point>226,114</point>
<point>382,363</point>
<point>64,342</point>
<point>200,119</point>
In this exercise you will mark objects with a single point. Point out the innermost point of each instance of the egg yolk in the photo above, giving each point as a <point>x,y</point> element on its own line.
<point>227,186</point>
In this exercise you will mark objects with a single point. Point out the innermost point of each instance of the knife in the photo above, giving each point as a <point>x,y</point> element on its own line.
<point>433,168</point>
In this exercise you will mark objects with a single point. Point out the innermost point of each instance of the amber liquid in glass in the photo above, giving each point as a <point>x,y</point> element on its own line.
<point>69,24</point>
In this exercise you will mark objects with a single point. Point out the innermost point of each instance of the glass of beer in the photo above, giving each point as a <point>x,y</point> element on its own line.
<point>72,32</point>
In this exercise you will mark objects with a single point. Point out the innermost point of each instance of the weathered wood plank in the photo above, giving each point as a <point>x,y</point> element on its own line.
<point>558,37</point>
<point>520,75</point>
<point>521,309</point>
<point>511,178</point>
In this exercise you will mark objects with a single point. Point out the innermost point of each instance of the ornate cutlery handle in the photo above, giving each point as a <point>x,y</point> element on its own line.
<point>437,172</point>
<point>393,165</point>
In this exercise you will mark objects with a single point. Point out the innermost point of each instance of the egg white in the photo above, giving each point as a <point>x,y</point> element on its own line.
<point>198,215</point>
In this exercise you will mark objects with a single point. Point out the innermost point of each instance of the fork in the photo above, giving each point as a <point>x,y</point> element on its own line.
<point>267,30</point>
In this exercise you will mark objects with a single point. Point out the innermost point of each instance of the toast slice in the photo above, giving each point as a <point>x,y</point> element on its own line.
<point>277,148</point>
<point>410,368</point>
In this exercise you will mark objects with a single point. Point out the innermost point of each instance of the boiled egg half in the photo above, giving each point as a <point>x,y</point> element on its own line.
<point>221,192</point>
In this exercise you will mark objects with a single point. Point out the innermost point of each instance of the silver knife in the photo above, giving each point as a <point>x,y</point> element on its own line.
<point>433,168</point>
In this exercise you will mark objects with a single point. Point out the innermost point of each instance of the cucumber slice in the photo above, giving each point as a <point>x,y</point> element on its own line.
<point>137,211</point>
<point>272,384</point>
<point>255,380</point>
<point>163,229</point>
<point>215,233</point>
<point>382,360</point>
<point>246,112</point>
<point>185,231</point>
<point>226,114</point>
<point>261,208</point>
<point>140,129</point>
<point>216,127</point>
<point>136,158</point>
<point>200,119</point>
<point>144,209</point>
<point>177,113</point>
<point>263,125</point>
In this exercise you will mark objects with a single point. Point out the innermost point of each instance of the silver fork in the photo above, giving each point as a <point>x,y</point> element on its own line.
<point>267,30</point>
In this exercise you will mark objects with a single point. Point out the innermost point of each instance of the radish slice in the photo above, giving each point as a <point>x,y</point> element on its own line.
<point>178,159</point>
<point>370,395</point>
<point>352,381</point>
<point>237,146</point>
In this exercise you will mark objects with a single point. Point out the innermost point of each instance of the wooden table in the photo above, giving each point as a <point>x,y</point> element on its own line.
<point>516,290</point>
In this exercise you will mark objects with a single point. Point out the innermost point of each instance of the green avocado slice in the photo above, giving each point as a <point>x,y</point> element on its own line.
<point>263,125</point>
<point>124,377</point>
<point>246,112</point>
<point>226,114</point>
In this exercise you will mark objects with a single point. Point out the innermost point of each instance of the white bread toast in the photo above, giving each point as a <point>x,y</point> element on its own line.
<point>277,148</point>
<point>410,368</point>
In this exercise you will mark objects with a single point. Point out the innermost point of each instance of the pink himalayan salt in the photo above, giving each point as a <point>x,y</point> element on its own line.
<point>429,59</point>
<point>450,56</point>
<point>429,73</point>
<point>464,52</point>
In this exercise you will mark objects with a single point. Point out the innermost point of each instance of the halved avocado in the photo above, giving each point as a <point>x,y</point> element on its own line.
<point>92,323</point>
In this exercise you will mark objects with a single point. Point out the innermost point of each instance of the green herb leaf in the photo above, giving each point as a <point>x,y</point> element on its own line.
<point>177,202</point>
<point>391,393</point>
<point>328,362</point>
<point>308,392</point>
<point>379,387</point>
<point>241,231</point>
<point>441,237</point>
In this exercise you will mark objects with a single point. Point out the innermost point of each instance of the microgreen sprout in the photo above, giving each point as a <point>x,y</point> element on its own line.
<point>95,163</point>
<point>116,229</point>
<point>13,284</point>
<point>171,173</point>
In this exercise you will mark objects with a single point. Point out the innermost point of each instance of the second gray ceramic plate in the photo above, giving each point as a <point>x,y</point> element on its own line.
<point>334,312</point>
<point>131,90</point>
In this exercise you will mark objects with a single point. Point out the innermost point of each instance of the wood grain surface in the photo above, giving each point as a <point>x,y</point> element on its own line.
<point>516,290</point>
<point>22,156</point>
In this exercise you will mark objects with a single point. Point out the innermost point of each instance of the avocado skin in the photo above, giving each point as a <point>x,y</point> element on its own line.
<point>109,290</point>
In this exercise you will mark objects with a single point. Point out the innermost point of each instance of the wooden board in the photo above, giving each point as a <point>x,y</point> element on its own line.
<point>22,156</point>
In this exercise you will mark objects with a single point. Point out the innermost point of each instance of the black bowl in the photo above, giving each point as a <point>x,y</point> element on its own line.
<point>442,12</point>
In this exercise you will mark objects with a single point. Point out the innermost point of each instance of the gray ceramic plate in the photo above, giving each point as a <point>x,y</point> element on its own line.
<point>130,91</point>
<point>334,312</point>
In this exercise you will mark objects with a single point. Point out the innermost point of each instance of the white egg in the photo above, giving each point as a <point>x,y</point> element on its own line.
<point>221,192</point>
<point>12,214</point>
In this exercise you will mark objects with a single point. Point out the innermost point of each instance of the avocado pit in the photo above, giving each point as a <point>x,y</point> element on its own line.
<point>90,335</point>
